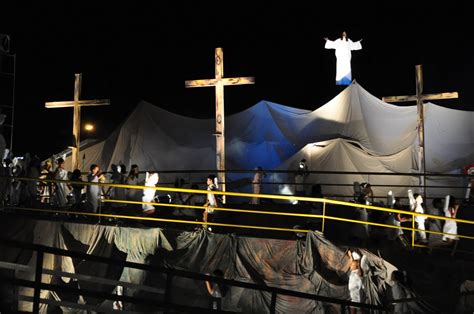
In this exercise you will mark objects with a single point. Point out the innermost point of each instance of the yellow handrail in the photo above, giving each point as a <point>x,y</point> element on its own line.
<point>268,196</point>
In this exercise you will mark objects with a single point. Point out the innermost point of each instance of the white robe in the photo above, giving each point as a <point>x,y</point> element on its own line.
<point>420,220</point>
<point>61,188</point>
<point>449,225</point>
<point>93,192</point>
<point>211,199</point>
<point>133,194</point>
<point>343,58</point>
<point>355,286</point>
<point>149,194</point>
<point>256,187</point>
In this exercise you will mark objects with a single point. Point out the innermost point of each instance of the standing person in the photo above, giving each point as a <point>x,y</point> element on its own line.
<point>93,191</point>
<point>46,187</point>
<point>151,180</point>
<point>343,47</point>
<point>114,178</point>
<point>257,184</point>
<point>397,219</point>
<point>416,201</point>
<point>211,202</point>
<point>121,193</point>
<point>300,177</point>
<point>132,179</point>
<point>76,186</point>
<point>61,187</point>
<point>450,210</point>
<point>216,291</point>
<point>367,191</point>
<point>355,279</point>
<point>435,224</point>
<point>32,171</point>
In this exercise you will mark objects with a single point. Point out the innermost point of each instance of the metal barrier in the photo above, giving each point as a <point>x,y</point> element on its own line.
<point>38,285</point>
<point>325,202</point>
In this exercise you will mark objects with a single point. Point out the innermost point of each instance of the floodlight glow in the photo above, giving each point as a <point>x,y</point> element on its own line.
<point>89,127</point>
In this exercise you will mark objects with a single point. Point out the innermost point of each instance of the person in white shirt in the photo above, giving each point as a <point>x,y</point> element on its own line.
<point>355,279</point>
<point>450,210</point>
<point>211,202</point>
<point>416,201</point>
<point>93,191</point>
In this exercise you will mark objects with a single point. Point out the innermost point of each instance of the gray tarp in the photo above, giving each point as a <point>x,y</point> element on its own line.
<point>312,265</point>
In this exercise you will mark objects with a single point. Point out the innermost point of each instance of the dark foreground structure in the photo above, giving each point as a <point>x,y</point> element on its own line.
<point>176,263</point>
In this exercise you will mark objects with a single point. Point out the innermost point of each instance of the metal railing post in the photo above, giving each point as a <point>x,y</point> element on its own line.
<point>273,303</point>
<point>169,280</point>
<point>38,275</point>
<point>324,215</point>
<point>343,309</point>
<point>100,206</point>
<point>413,231</point>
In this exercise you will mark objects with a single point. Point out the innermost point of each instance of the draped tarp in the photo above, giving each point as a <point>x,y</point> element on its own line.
<point>312,265</point>
<point>265,134</point>
<point>449,141</point>
<point>268,134</point>
<point>349,156</point>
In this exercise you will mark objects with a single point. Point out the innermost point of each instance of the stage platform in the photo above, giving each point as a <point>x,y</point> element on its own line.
<point>311,263</point>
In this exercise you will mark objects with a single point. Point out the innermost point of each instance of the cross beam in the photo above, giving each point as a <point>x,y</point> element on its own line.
<point>219,82</point>
<point>420,98</point>
<point>76,104</point>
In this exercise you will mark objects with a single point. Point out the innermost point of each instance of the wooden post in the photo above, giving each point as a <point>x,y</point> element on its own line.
<point>219,82</point>
<point>420,98</point>
<point>76,123</point>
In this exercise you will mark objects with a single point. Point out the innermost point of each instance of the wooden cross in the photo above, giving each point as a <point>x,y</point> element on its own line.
<point>219,81</point>
<point>77,104</point>
<point>419,98</point>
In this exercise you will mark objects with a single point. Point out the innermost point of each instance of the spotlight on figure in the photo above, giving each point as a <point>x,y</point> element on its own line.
<point>89,127</point>
<point>286,190</point>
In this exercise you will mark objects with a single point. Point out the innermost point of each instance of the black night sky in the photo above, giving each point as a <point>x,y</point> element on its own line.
<point>147,51</point>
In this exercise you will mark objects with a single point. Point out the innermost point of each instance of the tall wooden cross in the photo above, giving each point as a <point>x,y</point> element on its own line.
<point>219,82</point>
<point>420,98</point>
<point>76,126</point>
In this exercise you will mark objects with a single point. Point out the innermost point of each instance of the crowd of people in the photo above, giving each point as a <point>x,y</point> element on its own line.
<point>53,186</point>
<point>447,207</point>
<point>71,191</point>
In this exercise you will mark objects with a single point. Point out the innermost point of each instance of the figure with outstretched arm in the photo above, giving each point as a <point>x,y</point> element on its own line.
<point>343,47</point>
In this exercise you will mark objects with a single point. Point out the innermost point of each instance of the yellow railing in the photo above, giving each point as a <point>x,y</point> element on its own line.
<point>323,217</point>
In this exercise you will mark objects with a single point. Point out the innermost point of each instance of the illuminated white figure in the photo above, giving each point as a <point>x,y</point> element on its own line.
<point>149,194</point>
<point>450,210</point>
<point>415,205</point>
<point>343,47</point>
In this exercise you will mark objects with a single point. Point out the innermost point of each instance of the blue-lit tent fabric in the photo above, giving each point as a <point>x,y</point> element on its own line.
<point>268,134</point>
<point>264,135</point>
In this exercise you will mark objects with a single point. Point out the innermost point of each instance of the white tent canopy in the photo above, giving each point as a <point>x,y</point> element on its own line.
<point>271,135</point>
<point>348,156</point>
